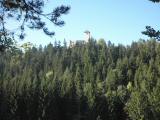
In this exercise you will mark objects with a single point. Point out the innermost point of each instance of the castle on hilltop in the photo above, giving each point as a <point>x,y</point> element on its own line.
<point>81,42</point>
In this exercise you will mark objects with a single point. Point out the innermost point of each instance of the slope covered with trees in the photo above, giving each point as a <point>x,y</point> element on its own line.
<point>27,14</point>
<point>93,81</point>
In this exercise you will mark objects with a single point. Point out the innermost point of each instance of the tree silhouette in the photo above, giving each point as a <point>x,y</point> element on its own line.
<point>155,0</point>
<point>152,33</point>
<point>29,13</point>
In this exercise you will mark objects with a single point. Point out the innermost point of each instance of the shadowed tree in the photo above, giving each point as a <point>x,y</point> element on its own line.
<point>29,13</point>
<point>155,0</point>
<point>152,33</point>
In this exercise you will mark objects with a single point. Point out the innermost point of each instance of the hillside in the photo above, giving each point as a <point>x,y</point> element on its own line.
<point>92,81</point>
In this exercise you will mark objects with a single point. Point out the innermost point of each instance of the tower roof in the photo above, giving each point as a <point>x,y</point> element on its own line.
<point>86,31</point>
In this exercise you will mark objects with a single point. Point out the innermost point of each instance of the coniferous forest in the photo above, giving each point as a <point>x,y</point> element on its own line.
<point>91,81</point>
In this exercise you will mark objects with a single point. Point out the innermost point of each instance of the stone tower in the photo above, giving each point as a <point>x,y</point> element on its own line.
<point>87,35</point>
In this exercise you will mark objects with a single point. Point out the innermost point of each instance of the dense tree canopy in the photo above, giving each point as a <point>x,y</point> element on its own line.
<point>91,81</point>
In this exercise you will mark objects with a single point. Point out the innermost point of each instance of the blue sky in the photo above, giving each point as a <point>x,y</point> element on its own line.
<point>120,21</point>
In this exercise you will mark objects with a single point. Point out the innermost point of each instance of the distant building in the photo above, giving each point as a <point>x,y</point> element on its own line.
<point>87,35</point>
<point>81,42</point>
<point>71,44</point>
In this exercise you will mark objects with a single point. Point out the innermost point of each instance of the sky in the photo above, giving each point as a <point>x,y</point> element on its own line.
<point>120,21</point>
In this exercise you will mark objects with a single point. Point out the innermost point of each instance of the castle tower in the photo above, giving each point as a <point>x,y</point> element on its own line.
<point>87,35</point>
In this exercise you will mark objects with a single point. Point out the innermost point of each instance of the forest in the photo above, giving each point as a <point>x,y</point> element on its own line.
<point>96,80</point>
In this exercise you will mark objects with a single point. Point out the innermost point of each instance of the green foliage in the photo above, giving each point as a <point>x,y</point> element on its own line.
<point>92,81</point>
<point>89,92</point>
<point>129,86</point>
